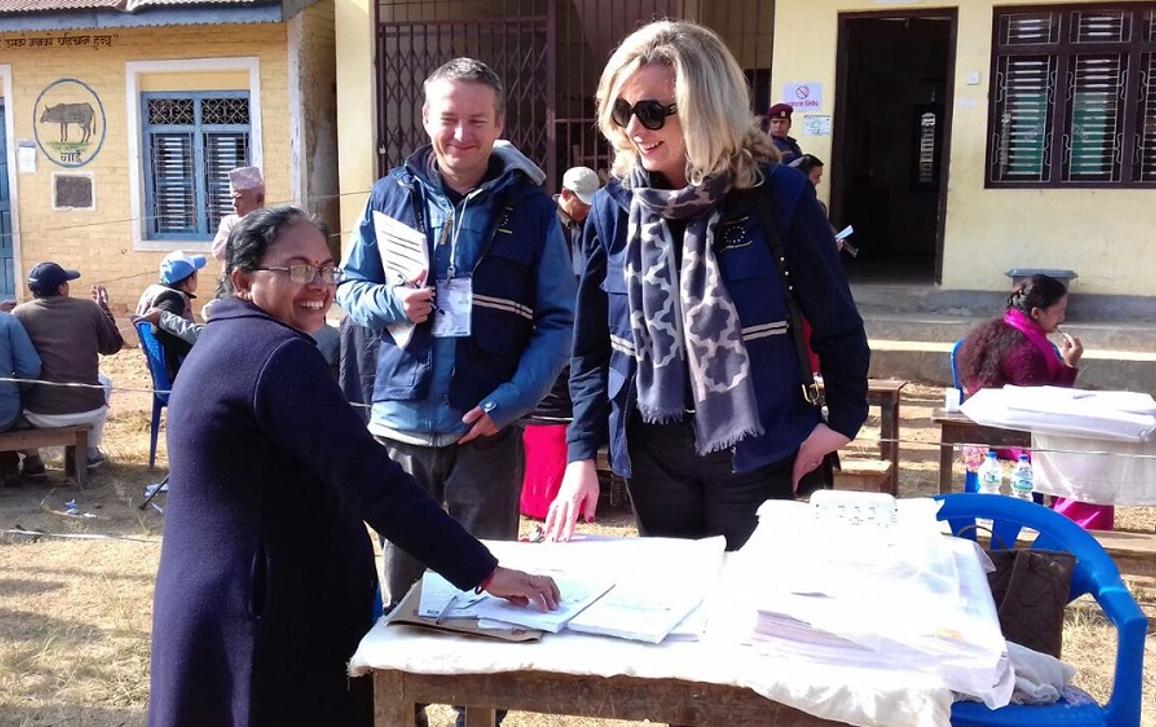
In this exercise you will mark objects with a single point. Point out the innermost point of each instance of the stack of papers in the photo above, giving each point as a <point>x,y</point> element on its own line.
<point>647,589</point>
<point>875,595</point>
<point>442,601</point>
<point>404,259</point>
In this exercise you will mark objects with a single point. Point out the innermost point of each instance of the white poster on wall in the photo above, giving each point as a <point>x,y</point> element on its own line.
<point>816,125</point>
<point>26,157</point>
<point>804,96</point>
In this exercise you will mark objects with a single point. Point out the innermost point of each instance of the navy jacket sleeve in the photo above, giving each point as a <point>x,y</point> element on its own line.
<point>589,364</point>
<point>837,335</point>
<point>299,406</point>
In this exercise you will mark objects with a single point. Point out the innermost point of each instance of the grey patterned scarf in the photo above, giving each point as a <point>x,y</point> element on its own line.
<point>683,318</point>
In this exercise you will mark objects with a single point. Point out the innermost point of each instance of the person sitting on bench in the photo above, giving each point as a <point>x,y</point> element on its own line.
<point>68,334</point>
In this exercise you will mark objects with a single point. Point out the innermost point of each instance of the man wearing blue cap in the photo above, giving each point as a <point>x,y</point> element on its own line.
<point>173,293</point>
<point>69,334</point>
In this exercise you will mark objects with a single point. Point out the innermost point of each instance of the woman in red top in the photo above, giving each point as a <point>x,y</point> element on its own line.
<point>1015,350</point>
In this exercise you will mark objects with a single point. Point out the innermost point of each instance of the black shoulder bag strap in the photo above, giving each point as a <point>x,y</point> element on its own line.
<point>810,390</point>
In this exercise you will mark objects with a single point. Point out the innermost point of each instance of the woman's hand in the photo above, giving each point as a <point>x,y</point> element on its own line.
<point>819,443</point>
<point>522,588</point>
<point>1071,349</point>
<point>578,495</point>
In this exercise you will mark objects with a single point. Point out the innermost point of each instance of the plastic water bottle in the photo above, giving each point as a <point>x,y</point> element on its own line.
<point>1022,483</point>
<point>990,475</point>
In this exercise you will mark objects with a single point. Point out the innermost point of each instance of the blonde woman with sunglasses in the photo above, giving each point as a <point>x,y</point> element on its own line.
<point>684,358</point>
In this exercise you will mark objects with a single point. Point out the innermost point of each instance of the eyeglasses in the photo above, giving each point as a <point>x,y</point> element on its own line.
<point>651,114</point>
<point>306,274</point>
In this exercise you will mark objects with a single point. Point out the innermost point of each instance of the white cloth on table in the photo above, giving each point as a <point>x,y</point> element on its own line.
<point>1121,416</point>
<point>1098,472</point>
<point>891,694</point>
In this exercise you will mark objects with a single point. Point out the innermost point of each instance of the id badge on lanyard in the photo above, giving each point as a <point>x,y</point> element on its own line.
<point>455,297</point>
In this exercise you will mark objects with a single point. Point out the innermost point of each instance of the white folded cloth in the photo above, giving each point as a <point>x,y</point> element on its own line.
<point>1040,678</point>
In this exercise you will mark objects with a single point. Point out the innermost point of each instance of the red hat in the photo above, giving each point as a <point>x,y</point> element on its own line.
<point>780,111</point>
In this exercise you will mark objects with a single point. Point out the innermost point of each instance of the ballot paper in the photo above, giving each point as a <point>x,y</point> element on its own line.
<point>658,597</point>
<point>441,599</point>
<point>577,594</point>
<point>405,261</point>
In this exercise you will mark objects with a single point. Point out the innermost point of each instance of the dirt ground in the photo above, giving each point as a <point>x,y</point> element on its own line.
<point>75,614</point>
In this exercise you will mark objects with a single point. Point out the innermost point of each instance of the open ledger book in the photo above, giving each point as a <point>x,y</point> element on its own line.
<point>648,589</point>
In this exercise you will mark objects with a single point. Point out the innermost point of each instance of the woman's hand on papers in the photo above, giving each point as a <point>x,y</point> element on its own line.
<point>819,443</point>
<point>578,495</point>
<point>523,588</point>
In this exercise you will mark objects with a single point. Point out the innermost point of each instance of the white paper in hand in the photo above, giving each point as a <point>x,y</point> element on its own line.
<point>404,256</point>
<point>404,259</point>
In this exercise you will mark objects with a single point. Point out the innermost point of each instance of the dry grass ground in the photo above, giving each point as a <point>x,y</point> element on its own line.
<point>75,615</point>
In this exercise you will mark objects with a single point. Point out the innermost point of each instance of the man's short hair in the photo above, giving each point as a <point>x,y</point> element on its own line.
<point>469,70</point>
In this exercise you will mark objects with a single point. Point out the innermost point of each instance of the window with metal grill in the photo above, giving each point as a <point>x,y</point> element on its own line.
<point>1073,98</point>
<point>191,141</point>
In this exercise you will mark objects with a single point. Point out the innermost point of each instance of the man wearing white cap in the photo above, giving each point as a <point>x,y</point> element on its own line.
<point>174,293</point>
<point>578,187</point>
<point>248,191</point>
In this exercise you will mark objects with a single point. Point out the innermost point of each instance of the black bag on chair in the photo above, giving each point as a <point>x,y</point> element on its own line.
<point>1030,588</point>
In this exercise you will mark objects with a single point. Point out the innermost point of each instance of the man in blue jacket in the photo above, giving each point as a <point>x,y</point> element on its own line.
<point>473,340</point>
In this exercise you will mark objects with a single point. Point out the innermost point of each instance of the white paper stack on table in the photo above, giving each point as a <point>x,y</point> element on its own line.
<point>404,259</point>
<point>641,589</point>
<point>855,586</point>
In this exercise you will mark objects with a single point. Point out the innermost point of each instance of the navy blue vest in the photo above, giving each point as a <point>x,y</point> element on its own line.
<point>752,278</point>
<point>505,282</point>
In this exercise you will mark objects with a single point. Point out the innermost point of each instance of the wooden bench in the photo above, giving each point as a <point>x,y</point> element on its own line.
<point>1134,553</point>
<point>864,475</point>
<point>73,439</point>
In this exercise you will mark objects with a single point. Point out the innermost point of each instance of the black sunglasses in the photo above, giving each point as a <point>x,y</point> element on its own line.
<point>651,114</point>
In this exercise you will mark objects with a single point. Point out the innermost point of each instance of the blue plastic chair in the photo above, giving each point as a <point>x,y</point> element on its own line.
<point>1096,574</point>
<point>155,357</point>
<point>970,479</point>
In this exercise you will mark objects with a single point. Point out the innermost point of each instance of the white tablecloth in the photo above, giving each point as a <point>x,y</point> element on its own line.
<point>849,694</point>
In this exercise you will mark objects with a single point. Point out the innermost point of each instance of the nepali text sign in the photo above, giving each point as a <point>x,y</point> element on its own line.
<point>804,96</point>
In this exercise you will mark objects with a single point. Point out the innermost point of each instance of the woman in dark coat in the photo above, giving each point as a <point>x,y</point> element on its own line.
<point>266,579</point>
<point>684,361</point>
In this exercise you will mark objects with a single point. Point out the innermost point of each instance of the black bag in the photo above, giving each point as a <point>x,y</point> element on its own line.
<point>823,476</point>
<point>1030,588</point>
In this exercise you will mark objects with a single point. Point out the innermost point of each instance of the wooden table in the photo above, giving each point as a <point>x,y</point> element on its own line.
<point>956,428</point>
<point>659,700</point>
<point>884,393</point>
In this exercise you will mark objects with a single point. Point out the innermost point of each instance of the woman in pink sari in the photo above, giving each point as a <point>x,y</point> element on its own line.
<point>1015,350</point>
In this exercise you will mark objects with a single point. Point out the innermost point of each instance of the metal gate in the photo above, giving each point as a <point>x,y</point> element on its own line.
<point>550,54</point>
<point>515,43</point>
<point>7,278</point>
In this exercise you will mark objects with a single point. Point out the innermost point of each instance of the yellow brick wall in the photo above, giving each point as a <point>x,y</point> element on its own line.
<point>100,243</point>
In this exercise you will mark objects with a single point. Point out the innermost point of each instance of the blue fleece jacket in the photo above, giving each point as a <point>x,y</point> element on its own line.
<point>467,225</point>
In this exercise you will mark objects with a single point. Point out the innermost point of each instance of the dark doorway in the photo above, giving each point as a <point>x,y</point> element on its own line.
<point>889,163</point>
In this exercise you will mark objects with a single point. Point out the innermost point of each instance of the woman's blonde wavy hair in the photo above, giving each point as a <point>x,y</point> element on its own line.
<point>721,133</point>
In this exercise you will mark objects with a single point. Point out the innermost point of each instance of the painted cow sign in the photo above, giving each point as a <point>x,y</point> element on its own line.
<point>64,114</point>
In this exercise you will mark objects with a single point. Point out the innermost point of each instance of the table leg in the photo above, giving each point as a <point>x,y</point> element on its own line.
<point>80,459</point>
<point>889,448</point>
<point>481,717</point>
<point>946,461</point>
<point>390,706</point>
